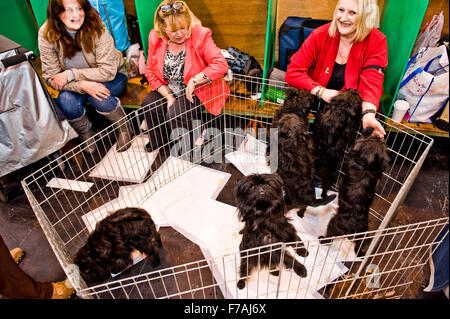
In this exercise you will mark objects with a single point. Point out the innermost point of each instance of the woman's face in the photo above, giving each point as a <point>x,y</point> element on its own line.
<point>347,17</point>
<point>73,16</point>
<point>178,36</point>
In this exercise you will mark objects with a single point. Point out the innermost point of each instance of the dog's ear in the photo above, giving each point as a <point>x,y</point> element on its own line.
<point>367,131</point>
<point>291,93</point>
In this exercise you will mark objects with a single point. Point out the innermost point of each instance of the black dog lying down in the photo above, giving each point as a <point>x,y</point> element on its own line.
<point>366,161</point>
<point>296,162</point>
<point>260,200</point>
<point>109,247</point>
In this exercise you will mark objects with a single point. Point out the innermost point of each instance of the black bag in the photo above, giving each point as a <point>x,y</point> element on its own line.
<point>245,64</point>
<point>292,34</point>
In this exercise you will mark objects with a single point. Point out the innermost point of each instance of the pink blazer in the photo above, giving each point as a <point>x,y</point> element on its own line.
<point>202,55</point>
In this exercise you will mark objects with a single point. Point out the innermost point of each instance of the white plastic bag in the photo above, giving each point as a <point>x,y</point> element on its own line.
<point>133,60</point>
<point>430,36</point>
<point>425,84</point>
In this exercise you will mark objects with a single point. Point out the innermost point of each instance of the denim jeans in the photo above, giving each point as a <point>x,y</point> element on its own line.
<point>71,103</point>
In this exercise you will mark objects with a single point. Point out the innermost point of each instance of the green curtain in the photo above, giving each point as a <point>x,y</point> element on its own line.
<point>145,11</point>
<point>17,23</point>
<point>401,21</point>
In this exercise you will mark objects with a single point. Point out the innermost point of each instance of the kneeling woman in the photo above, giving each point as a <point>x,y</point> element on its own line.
<point>79,60</point>
<point>181,56</point>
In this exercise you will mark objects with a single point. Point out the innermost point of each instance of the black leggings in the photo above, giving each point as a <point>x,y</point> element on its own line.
<point>161,121</point>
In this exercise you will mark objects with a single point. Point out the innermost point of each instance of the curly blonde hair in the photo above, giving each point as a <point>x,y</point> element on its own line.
<point>182,18</point>
<point>368,18</point>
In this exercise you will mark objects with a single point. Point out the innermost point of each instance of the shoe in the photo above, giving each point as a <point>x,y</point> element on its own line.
<point>17,254</point>
<point>82,126</point>
<point>61,291</point>
<point>118,118</point>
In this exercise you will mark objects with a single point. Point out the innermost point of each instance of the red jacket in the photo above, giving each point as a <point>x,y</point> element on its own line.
<point>313,63</point>
<point>202,55</point>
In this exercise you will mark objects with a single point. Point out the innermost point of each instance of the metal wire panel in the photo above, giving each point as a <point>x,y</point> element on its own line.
<point>398,252</point>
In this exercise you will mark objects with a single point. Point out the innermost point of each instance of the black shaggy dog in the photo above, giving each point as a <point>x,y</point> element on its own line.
<point>336,126</point>
<point>368,158</point>
<point>296,162</point>
<point>261,205</point>
<point>297,102</point>
<point>109,247</point>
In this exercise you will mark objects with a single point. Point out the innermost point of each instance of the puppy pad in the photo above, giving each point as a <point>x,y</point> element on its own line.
<point>250,157</point>
<point>68,184</point>
<point>153,195</point>
<point>215,227</point>
<point>131,165</point>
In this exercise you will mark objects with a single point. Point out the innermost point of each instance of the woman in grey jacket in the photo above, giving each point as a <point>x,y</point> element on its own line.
<point>79,60</point>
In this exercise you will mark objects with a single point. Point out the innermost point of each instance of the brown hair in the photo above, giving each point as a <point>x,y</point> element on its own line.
<point>368,18</point>
<point>55,30</point>
<point>181,18</point>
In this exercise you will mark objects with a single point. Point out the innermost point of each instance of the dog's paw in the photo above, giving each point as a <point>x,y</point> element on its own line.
<point>302,251</point>
<point>301,212</point>
<point>300,270</point>
<point>155,261</point>
<point>241,284</point>
<point>275,273</point>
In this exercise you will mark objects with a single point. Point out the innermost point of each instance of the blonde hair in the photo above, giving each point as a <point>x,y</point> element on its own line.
<point>182,18</point>
<point>368,18</point>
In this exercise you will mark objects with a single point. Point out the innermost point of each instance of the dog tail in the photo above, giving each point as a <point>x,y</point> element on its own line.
<point>323,201</point>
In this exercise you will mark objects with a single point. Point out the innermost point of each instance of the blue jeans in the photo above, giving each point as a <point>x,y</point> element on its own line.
<point>71,103</point>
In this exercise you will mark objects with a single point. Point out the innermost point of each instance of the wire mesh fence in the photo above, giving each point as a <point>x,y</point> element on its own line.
<point>72,193</point>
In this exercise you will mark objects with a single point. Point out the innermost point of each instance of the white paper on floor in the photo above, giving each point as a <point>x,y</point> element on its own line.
<point>69,184</point>
<point>214,226</point>
<point>131,165</point>
<point>191,180</point>
<point>250,157</point>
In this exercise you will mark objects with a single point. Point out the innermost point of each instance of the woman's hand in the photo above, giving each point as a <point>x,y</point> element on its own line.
<point>328,94</point>
<point>170,100</point>
<point>369,120</point>
<point>59,80</point>
<point>190,90</point>
<point>95,89</point>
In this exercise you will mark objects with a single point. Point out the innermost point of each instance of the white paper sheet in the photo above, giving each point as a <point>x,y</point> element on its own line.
<point>153,195</point>
<point>214,226</point>
<point>131,165</point>
<point>68,184</point>
<point>250,157</point>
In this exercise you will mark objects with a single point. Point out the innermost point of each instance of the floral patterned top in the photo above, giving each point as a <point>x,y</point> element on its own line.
<point>173,71</point>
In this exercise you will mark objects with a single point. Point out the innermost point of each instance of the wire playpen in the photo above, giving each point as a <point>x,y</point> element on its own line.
<point>70,194</point>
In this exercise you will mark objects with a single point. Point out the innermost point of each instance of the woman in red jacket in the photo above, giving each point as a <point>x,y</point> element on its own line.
<point>182,58</point>
<point>349,52</point>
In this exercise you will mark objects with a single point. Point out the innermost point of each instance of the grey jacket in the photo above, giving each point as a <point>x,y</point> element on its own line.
<point>104,62</point>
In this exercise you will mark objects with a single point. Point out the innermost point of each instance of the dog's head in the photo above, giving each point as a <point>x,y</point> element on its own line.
<point>260,195</point>
<point>370,151</point>
<point>292,132</point>
<point>298,102</point>
<point>349,102</point>
<point>89,263</point>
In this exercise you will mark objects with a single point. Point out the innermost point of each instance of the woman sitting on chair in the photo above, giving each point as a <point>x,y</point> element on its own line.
<point>182,56</point>
<point>79,60</point>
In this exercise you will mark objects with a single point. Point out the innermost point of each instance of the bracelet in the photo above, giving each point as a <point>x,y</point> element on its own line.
<point>368,111</point>
<point>322,90</point>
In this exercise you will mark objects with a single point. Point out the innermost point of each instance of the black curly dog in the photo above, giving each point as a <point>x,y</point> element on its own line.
<point>296,151</point>
<point>297,102</point>
<point>366,161</point>
<point>108,248</point>
<point>261,205</point>
<point>336,126</point>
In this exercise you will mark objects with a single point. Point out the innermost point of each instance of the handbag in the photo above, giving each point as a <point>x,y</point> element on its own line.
<point>425,84</point>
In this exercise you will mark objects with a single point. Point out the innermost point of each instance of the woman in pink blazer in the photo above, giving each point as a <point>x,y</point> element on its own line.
<point>182,59</point>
